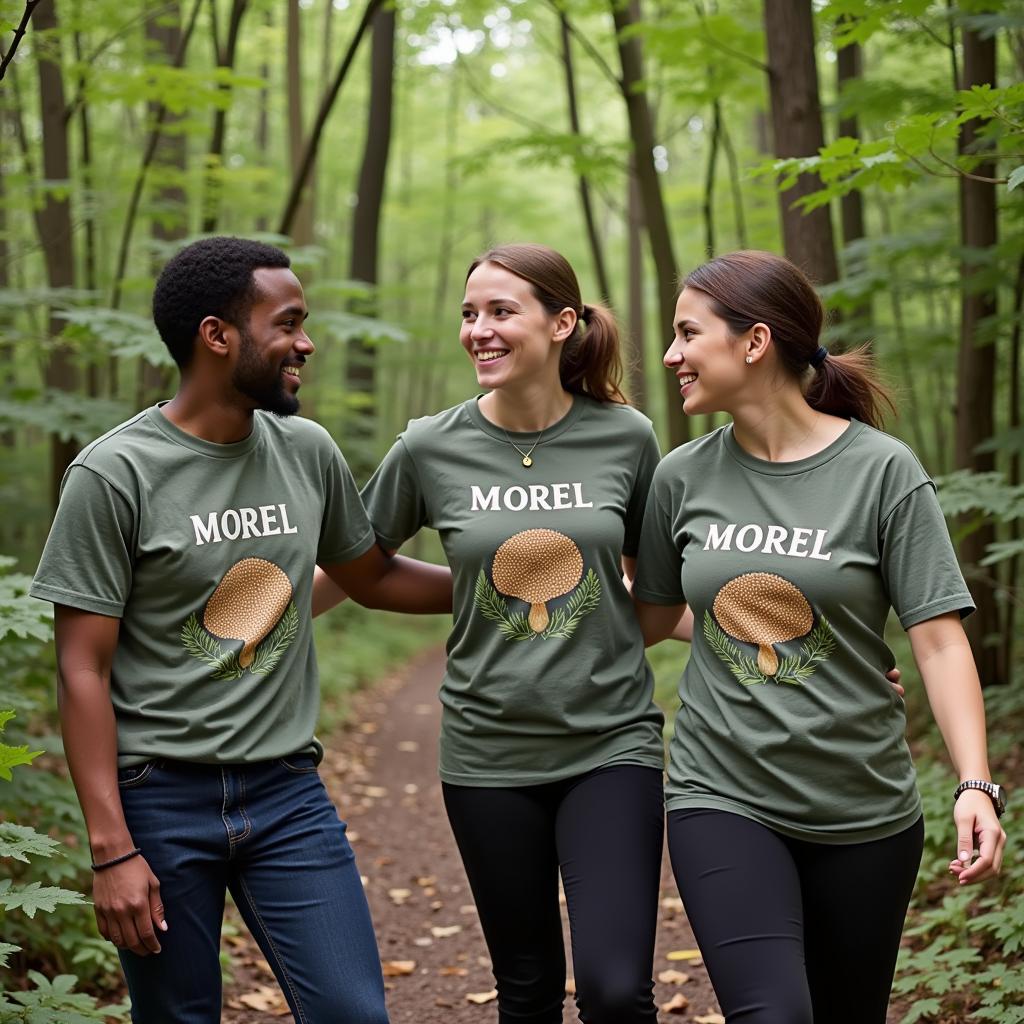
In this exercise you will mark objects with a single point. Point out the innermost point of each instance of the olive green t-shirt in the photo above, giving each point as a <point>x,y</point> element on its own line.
<point>546,675</point>
<point>791,569</point>
<point>205,552</point>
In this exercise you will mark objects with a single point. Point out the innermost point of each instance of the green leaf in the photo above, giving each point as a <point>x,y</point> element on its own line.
<point>18,841</point>
<point>583,600</point>
<point>34,896</point>
<point>743,668</point>
<point>7,950</point>
<point>1016,177</point>
<point>201,645</point>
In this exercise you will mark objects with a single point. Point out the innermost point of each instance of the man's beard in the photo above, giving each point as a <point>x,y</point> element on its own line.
<point>255,378</point>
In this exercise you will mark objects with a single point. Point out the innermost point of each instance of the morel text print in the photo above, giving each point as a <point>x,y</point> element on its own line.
<point>764,610</point>
<point>252,605</point>
<point>533,569</point>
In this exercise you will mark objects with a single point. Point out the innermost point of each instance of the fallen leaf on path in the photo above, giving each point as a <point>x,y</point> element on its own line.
<point>443,931</point>
<point>425,880</point>
<point>399,896</point>
<point>710,1018</point>
<point>673,903</point>
<point>683,954</point>
<point>368,727</point>
<point>383,862</point>
<point>482,997</point>
<point>375,792</point>
<point>673,977</point>
<point>398,968</point>
<point>353,836</point>
<point>467,908</point>
<point>410,789</point>
<point>424,709</point>
<point>677,1004</point>
<point>408,746</point>
<point>264,998</point>
<point>423,940</point>
<point>453,972</point>
<point>238,941</point>
<point>436,904</point>
<point>447,1003</point>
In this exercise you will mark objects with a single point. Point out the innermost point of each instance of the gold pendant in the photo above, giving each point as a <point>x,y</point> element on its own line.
<point>527,461</point>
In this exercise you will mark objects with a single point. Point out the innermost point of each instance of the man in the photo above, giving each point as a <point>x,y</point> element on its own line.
<point>180,563</point>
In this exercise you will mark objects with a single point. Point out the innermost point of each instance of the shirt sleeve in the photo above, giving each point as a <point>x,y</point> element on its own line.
<point>394,498</point>
<point>88,559</point>
<point>650,455</point>
<point>345,532</point>
<point>918,562</point>
<point>660,559</point>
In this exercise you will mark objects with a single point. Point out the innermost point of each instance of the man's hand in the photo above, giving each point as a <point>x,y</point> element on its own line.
<point>893,675</point>
<point>128,907</point>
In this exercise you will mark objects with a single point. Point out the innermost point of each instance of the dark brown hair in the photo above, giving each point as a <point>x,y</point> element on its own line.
<point>750,287</point>
<point>591,363</point>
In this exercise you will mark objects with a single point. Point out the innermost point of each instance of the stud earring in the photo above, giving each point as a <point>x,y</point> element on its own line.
<point>750,359</point>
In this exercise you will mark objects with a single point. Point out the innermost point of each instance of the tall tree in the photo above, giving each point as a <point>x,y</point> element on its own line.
<point>636,363</point>
<point>363,257</point>
<point>225,57</point>
<point>849,69</point>
<point>641,130</point>
<point>302,228</point>
<point>169,221</point>
<point>796,126</point>
<point>976,362</point>
<point>54,221</point>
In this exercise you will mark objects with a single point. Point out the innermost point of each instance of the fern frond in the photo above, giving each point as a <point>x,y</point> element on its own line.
<point>744,669</point>
<point>583,600</point>
<point>269,653</point>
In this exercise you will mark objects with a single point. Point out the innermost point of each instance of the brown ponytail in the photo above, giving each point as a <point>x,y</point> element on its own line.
<point>750,287</point>
<point>591,363</point>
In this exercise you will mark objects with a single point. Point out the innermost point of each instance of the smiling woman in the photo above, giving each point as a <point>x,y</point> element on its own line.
<point>537,489</point>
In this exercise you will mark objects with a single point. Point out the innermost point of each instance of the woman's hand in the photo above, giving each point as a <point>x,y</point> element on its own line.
<point>128,907</point>
<point>977,827</point>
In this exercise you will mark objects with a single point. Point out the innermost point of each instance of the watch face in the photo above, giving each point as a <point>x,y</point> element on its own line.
<point>999,796</point>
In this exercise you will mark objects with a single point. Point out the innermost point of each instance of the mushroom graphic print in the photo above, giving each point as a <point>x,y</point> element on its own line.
<point>252,603</point>
<point>535,567</point>
<point>763,609</point>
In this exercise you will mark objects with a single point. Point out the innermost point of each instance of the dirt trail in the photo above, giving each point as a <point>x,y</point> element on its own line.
<point>381,771</point>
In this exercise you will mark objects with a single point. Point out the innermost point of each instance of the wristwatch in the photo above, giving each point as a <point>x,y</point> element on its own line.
<point>995,792</point>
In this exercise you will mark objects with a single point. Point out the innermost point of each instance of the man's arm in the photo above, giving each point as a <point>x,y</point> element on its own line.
<point>127,895</point>
<point>394,583</point>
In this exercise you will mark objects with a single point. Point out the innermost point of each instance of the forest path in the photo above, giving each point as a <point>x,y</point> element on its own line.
<point>381,771</point>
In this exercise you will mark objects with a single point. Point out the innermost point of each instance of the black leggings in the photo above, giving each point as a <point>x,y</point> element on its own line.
<point>604,830</point>
<point>793,932</point>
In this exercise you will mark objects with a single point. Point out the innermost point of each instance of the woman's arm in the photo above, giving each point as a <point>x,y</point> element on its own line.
<point>944,658</point>
<point>683,628</point>
<point>126,896</point>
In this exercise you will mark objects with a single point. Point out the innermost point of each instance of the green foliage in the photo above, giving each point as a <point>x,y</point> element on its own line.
<point>68,416</point>
<point>562,622</point>
<point>56,1002</point>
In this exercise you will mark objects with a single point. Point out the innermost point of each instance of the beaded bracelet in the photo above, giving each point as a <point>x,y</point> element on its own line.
<point>103,865</point>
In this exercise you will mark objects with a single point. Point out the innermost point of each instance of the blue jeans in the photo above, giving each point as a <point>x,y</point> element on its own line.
<point>269,833</point>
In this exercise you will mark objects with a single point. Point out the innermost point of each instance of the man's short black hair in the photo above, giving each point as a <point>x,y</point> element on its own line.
<point>212,277</point>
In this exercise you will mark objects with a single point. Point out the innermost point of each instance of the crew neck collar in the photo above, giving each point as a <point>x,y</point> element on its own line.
<point>768,468</point>
<point>472,408</point>
<point>201,445</point>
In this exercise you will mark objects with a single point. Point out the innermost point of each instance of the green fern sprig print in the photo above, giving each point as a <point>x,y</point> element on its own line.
<point>793,670</point>
<point>201,645</point>
<point>583,600</point>
<point>268,654</point>
<point>495,608</point>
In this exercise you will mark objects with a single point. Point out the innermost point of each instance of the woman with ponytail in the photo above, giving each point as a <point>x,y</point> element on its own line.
<point>551,752</point>
<point>794,821</point>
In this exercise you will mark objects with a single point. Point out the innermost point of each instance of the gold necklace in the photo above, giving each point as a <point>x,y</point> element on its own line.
<point>527,461</point>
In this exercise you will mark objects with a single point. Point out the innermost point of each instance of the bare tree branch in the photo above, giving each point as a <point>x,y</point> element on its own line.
<point>19,34</point>
<point>309,153</point>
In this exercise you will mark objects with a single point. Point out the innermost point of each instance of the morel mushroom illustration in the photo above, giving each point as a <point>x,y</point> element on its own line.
<point>537,566</point>
<point>247,604</point>
<point>764,609</point>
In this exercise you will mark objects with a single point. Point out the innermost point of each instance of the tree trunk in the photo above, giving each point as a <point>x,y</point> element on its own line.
<point>850,68</point>
<point>596,249</point>
<point>641,131</point>
<point>170,205</point>
<point>302,228</point>
<point>54,222</point>
<point>218,133</point>
<point>363,260</point>
<point>636,363</point>
<point>1014,423</point>
<point>312,144</point>
<point>976,362</point>
<point>797,130</point>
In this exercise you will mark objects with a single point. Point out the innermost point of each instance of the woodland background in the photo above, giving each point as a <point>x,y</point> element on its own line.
<point>878,143</point>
